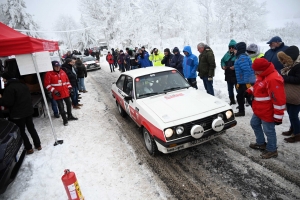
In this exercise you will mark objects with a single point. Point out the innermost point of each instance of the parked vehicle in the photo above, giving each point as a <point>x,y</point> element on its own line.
<point>90,63</point>
<point>171,114</point>
<point>12,153</point>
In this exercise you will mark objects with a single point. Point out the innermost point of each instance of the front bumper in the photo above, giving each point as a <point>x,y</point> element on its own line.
<point>169,147</point>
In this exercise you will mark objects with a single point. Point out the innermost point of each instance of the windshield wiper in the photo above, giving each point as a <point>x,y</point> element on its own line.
<point>171,89</point>
<point>148,94</point>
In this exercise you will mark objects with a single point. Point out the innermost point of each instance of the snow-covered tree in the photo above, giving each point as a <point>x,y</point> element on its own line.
<point>66,27</point>
<point>241,20</point>
<point>85,38</point>
<point>289,33</point>
<point>13,14</point>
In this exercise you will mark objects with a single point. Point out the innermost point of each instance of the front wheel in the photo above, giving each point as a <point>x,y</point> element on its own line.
<point>149,143</point>
<point>121,110</point>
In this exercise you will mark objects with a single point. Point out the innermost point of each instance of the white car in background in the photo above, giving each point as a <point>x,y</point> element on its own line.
<point>171,114</point>
<point>90,63</point>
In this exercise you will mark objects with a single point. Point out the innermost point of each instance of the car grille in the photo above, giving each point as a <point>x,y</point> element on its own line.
<point>204,122</point>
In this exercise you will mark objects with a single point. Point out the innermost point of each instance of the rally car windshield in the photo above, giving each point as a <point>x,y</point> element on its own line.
<point>158,83</point>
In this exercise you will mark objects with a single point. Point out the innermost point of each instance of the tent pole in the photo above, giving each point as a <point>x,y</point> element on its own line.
<point>45,100</point>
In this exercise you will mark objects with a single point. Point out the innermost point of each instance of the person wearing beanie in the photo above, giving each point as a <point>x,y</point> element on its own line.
<point>291,75</point>
<point>276,45</point>
<point>115,57</point>
<point>17,97</point>
<point>268,106</point>
<point>176,61</point>
<point>167,58</point>
<point>156,57</point>
<point>244,76</point>
<point>190,64</point>
<point>57,82</point>
<point>227,64</point>
<point>253,52</point>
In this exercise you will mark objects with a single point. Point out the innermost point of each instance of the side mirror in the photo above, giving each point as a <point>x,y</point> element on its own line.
<point>128,98</point>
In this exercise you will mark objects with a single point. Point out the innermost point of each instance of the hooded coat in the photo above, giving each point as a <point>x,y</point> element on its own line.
<point>167,58</point>
<point>228,61</point>
<point>156,59</point>
<point>242,65</point>
<point>291,71</point>
<point>269,95</point>
<point>143,60</point>
<point>190,63</point>
<point>176,61</point>
<point>271,56</point>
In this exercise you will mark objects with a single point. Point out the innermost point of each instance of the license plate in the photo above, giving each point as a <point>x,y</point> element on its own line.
<point>20,151</point>
<point>207,138</point>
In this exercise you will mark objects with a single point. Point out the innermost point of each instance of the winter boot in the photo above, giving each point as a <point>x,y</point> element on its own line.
<point>232,101</point>
<point>287,133</point>
<point>269,154</point>
<point>258,146</point>
<point>71,117</point>
<point>240,114</point>
<point>293,139</point>
<point>64,117</point>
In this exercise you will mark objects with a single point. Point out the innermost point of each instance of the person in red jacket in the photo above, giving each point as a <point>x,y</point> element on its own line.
<point>110,60</point>
<point>58,84</point>
<point>268,106</point>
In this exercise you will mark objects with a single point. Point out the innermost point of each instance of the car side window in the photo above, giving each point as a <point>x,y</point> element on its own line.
<point>120,82</point>
<point>128,85</point>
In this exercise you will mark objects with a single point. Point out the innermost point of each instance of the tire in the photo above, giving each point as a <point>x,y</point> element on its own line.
<point>121,110</point>
<point>149,143</point>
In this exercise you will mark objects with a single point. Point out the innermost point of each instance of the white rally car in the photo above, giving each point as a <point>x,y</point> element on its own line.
<point>172,114</point>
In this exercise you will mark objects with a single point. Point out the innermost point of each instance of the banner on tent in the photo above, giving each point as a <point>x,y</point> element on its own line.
<point>26,65</point>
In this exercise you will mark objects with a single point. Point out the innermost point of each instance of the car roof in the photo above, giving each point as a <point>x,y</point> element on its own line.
<point>148,70</point>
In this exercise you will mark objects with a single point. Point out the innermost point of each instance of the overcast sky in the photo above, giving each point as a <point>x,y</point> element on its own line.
<point>47,12</point>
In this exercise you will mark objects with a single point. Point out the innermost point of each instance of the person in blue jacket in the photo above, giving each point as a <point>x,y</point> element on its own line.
<point>276,45</point>
<point>143,59</point>
<point>190,65</point>
<point>244,75</point>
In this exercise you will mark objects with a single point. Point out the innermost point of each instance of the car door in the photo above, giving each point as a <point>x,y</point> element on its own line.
<point>119,91</point>
<point>130,104</point>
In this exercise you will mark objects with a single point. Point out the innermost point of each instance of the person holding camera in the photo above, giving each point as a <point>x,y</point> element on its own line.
<point>227,64</point>
<point>268,106</point>
<point>156,57</point>
<point>57,82</point>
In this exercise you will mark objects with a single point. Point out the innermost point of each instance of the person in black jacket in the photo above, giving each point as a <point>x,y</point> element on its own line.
<point>81,74</point>
<point>17,98</point>
<point>167,58</point>
<point>70,71</point>
<point>176,61</point>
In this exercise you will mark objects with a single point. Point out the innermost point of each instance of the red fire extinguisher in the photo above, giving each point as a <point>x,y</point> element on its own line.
<point>71,185</point>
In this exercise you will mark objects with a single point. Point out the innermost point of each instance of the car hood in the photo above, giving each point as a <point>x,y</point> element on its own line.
<point>181,104</point>
<point>89,62</point>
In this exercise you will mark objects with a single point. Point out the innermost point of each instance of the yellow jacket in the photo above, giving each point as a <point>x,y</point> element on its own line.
<point>156,59</point>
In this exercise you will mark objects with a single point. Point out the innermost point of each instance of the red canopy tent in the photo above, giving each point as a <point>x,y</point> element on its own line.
<point>13,43</point>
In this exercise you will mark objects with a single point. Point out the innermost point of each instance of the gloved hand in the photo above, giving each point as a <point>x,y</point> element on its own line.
<point>56,93</point>
<point>248,85</point>
<point>71,91</point>
<point>277,122</point>
<point>210,78</point>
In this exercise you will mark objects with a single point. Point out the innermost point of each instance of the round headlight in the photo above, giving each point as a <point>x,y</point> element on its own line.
<point>168,132</point>
<point>228,114</point>
<point>221,115</point>
<point>179,130</point>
